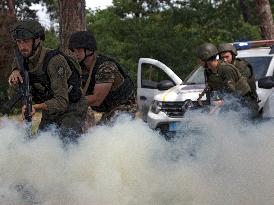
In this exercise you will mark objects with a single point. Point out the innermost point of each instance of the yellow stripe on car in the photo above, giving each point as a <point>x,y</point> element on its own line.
<point>167,92</point>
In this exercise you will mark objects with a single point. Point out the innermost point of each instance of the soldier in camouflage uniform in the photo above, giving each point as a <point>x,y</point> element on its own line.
<point>228,54</point>
<point>107,87</point>
<point>224,77</point>
<point>49,88</point>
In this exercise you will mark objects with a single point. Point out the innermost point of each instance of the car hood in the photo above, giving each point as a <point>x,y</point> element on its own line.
<point>181,93</point>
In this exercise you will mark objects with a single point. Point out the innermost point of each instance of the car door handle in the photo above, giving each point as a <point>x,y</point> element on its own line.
<point>143,98</point>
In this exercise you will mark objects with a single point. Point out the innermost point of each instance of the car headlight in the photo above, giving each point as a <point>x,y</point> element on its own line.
<point>156,106</point>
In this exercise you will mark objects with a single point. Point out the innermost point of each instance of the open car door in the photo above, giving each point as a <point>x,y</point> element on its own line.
<point>150,73</point>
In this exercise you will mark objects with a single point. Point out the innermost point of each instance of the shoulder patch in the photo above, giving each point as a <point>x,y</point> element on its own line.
<point>60,72</point>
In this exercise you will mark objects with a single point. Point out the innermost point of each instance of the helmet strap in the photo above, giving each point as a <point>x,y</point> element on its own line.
<point>89,75</point>
<point>83,65</point>
<point>86,56</point>
<point>34,47</point>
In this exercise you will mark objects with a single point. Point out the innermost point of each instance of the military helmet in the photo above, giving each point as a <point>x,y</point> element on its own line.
<point>225,47</point>
<point>82,39</point>
<point>27,29</point>
<point>206,51</point>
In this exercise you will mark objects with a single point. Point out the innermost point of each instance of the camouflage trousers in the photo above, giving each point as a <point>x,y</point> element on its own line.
<point>69,123</point>
<point>129,107</point>
<point>90,120</point>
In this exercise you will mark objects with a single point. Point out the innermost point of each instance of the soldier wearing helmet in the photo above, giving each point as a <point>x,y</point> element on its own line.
<point>228,54</point>
<point>221,76</point>
<point>48,81</point>
<point>107,87</point>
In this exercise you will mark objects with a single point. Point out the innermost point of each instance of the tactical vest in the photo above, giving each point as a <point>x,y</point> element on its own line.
<point>242,64</point>
<point>214,81</point>
<point>40,82</point>
<point>241,85</point>
<point>114,98</point>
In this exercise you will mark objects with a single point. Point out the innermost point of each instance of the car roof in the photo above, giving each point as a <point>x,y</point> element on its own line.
<point>255,48</point>
<point>261,51</point>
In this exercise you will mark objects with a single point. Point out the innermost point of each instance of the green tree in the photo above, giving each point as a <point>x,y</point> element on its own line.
<point>52,40</point>
<point>167,30</point>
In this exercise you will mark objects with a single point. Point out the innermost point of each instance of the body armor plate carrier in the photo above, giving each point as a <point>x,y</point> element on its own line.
<point>46,93</point>
<point>114,98</point>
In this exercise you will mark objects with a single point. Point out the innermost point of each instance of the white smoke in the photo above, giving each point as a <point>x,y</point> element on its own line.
<point>216,160</point>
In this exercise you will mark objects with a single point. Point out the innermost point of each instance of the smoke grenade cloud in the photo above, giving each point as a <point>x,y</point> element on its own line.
<point>215,160</point>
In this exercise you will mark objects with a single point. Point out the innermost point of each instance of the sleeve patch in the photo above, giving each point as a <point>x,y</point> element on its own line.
<point>60,72</point>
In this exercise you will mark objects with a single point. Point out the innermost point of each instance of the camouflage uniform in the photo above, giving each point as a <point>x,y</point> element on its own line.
<point>103,69</point>
<point>246,70</point>
<point>233,81</point>
<point>67,116</point>
<point>228,79</point>
<point>54,81</point>
<point>108,72</point>
<point>214,81</point>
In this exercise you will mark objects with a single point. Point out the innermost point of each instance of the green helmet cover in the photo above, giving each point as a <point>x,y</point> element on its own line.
<point>82,39</point>
<point>227,47</point>
<point>27,29</point>
<point>206,51</point>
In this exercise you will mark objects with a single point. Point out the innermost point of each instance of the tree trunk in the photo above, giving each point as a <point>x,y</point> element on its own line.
<point>245,10</point>
<point>11,8</point>
<point>265,19</point>
<point>72,18</point>
<point>7,18</point>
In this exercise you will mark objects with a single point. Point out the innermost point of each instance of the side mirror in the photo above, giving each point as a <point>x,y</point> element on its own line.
<point>165,85</point>
<point>266,82</point>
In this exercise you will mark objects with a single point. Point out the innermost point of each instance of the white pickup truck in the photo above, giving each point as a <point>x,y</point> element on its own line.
<point>163,98</point>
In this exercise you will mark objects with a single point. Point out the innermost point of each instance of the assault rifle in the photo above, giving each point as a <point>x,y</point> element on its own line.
<point>204,92</point>
<point>23,94</point>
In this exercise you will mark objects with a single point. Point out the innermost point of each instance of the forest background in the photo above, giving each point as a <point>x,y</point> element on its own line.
<point>166,30</point>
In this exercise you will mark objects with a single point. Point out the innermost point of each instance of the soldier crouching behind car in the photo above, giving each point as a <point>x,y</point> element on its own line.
<point>108,89</point>
<point>226,78</point>
<point>54,88</point>
<point>228,53</point>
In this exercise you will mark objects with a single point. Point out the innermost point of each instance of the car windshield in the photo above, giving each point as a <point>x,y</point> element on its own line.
<point>196,76</point>
<point>259,64</point>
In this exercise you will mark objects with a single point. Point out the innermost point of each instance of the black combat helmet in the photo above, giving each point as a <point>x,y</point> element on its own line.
<point>27,29</point>
<point>225,47</point>
<point>206,51</point>
<point>82,39</point>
